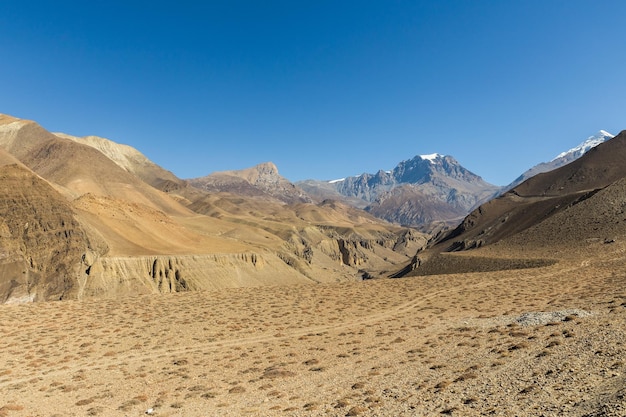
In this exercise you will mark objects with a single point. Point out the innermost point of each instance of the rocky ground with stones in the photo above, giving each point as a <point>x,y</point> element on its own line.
<point>538,341</point>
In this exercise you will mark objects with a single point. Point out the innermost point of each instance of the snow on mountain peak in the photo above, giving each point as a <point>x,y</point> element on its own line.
<point>592,141</point>
<point>431,157</point>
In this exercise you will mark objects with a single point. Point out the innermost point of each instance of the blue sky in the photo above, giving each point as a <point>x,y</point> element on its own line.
<point>324,89</point>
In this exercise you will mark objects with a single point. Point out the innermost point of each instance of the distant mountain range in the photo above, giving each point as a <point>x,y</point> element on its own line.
<point>426,191</point>
<point>417,192</point>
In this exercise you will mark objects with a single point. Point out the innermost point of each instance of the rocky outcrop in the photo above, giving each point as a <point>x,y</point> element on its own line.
<point>41,242</point>
<point>114,276</point>
<point>351,249</point>
<point>262,180</point>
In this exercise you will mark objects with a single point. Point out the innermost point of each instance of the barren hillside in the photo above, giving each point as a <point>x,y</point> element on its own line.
<point>137,239</point>
<point>541,197</point>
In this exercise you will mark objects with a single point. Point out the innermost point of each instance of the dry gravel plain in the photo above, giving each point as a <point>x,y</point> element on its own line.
<point>546,341</point>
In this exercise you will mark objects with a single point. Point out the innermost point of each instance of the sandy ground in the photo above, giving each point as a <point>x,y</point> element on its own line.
<point>465,344</point>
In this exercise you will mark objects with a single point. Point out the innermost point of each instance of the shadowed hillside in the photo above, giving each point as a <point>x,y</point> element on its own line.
<point>540,198</point>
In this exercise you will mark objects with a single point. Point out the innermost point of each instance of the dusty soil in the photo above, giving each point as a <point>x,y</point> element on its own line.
<point>540,341</point>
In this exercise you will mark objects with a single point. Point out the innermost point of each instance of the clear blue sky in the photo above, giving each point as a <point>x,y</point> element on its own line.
<point>324,89</point>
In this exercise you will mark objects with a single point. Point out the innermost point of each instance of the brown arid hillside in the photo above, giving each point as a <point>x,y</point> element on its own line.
<point>129,159</point>
<point>128,237</point>
<point>41,242</point>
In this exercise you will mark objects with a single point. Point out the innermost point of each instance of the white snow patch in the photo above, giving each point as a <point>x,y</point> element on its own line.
<point>431,157</point>
<point>336,181</point>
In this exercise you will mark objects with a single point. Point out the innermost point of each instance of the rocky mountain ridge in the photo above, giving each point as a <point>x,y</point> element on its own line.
<point>260,180</point>
<point>417,192</point>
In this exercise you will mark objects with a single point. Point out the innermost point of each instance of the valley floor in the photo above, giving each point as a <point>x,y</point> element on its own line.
<point>461,344</point>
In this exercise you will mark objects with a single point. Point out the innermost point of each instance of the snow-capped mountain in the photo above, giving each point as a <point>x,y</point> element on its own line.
<point>563,158</point>
<point>418,191</point>
<point>580,150</point>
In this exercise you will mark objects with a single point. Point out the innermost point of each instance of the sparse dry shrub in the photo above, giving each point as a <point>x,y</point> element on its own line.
<point>237,390</point>
<point>465,376</point>
<point>311,406</point>
<point>464,329</point>
<point>357,410</point>
<point>94,411</point>
<point>518,346</point>
<point>442,384</point>
<point>344,402</point>
<point>373,400</point>
<point>128,405</point>
<point>277,373</point>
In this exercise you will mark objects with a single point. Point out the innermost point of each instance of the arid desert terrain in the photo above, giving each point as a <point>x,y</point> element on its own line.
<point>538,341</point>
<point>126,291</point>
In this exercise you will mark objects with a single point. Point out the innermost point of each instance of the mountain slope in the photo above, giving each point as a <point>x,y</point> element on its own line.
<point>76,168</point>
<point>541,197</point>
<point>563,158</point>
<point>129,159</point>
